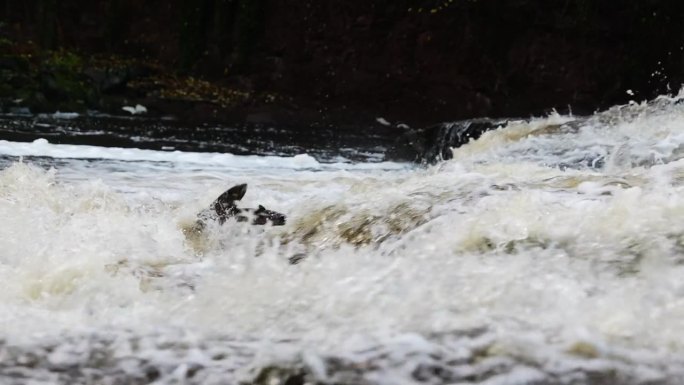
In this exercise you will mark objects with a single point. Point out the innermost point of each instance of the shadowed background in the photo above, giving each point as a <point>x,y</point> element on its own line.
<point>415,61</point>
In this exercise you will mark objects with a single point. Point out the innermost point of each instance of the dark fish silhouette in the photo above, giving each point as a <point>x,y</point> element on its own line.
<point>224,208</point>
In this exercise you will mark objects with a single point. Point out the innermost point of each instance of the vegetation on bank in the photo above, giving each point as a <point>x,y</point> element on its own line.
<point>43,80</point>
<point>63,80</point>
<point>417,61</point>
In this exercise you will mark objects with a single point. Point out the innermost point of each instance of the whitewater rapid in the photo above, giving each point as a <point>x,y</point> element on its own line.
<point>550,251</point>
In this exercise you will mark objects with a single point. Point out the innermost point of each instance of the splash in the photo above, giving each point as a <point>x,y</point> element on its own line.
<point>546,251</point>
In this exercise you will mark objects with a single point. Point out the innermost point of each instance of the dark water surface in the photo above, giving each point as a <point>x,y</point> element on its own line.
<point>325,144</point>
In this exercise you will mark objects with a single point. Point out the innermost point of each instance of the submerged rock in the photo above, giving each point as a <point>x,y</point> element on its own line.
<point>434,143</point>
<point>280,375</point>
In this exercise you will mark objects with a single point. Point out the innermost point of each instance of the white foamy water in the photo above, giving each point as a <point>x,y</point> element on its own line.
<point>546,252</point>
<point>42,147</point>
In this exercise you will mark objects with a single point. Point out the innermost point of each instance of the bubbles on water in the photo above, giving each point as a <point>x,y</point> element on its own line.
<point>545,251</point>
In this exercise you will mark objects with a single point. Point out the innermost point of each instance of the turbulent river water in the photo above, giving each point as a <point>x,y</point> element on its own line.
<point>550,251</point>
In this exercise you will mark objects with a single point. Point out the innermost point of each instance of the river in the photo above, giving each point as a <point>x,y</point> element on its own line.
<point>550,251</point>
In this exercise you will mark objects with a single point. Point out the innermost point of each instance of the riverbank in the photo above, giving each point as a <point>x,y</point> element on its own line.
<point>342,65</point>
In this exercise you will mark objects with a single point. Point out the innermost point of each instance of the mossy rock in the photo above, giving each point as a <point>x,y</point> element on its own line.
<point>67,91</point>
<point>277,375</point>
<point>55,81</point>
<point>584,349</point>
<point>5,43</point>
<point>65,61</point>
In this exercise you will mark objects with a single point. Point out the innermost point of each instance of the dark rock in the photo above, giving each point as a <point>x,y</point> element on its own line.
<point>14,63</point>
<point>108,79</point>
<point>295,259</point>
<point>114,78</point>
<point>434,143</point>
<point>433,373</point>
